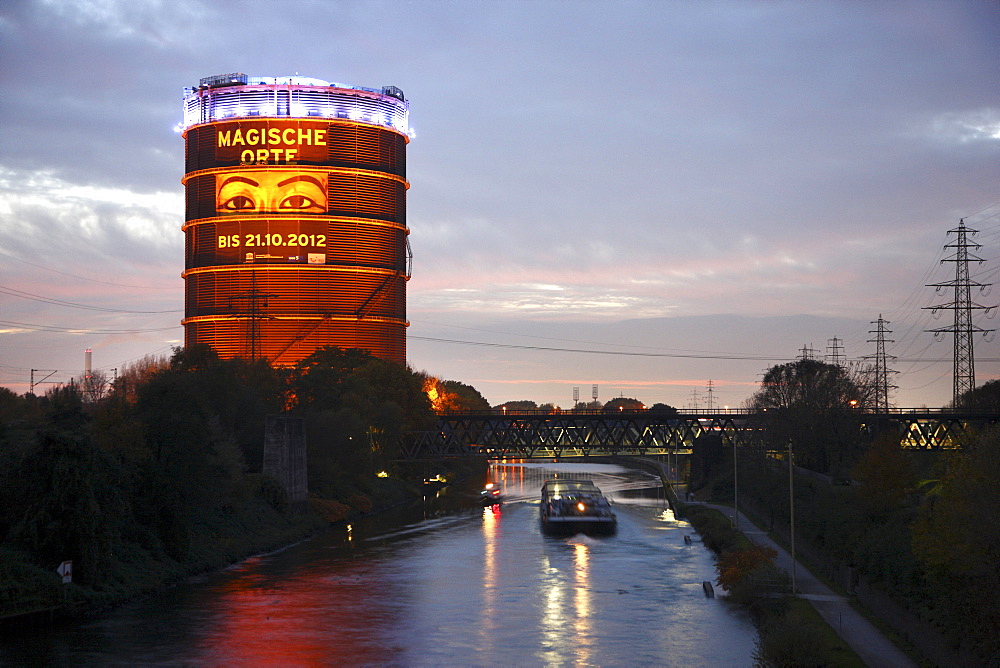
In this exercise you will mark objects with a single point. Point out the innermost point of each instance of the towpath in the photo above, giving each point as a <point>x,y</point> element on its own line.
<point>861,635</point>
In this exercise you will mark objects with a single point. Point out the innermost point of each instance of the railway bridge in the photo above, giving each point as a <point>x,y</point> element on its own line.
<point>581,433</point>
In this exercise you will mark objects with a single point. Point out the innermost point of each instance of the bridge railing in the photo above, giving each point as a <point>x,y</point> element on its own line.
<point>527,434</point>
<point>705,412</point>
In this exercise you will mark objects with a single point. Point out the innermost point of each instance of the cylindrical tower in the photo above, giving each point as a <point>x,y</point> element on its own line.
<point>295,223</point>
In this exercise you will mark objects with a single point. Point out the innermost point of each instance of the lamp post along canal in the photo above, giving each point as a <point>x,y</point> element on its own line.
<point>791,511</point>
<point>736,488</point>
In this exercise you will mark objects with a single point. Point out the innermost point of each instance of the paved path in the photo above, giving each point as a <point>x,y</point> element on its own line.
<point>866,640</point>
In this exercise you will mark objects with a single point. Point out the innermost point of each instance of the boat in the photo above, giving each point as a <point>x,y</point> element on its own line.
<point>437,482</point>
<point>572,506</point>
<point>491,495</point>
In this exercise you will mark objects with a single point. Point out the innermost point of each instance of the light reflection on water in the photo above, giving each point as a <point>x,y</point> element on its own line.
<point>470,586</point>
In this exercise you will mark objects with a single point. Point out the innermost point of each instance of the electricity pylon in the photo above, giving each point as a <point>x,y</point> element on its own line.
<point>255,312</point>
<point>963,306</point>
<point>836,356</point>
<point>882,369</point>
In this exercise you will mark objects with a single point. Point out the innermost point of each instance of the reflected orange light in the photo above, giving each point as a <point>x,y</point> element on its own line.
<point>582,602</point>
<point>258,620</point>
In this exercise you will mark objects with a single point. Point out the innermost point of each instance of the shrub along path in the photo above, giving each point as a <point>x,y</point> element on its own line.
<point>859,634</point>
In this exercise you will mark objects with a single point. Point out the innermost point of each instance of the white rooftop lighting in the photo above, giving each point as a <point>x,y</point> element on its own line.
<point>237,95</point>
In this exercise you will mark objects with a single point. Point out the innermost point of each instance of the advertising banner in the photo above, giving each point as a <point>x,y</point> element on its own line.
<point>270,142</point>
<point>271,240</point>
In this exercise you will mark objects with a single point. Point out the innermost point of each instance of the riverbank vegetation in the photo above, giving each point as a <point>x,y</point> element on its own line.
<point>158,475</point>
<point>911,533</point>
<point>790,632</point>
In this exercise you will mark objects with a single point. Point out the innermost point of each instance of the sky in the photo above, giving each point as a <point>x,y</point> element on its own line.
<point>659,199</point>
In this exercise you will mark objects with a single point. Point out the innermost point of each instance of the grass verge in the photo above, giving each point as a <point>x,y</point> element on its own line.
<point>790,631</point>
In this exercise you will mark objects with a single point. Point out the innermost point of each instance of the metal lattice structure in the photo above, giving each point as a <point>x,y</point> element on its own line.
<point>646,433</point>
<point>882,370</point>
<point>571,434</point>
<point>964,373</point>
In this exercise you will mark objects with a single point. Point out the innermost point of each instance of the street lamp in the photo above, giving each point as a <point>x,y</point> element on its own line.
<point>791,505</point>
<point>736,488</point>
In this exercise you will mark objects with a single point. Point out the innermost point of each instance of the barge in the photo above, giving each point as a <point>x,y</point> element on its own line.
<point>572,506</point>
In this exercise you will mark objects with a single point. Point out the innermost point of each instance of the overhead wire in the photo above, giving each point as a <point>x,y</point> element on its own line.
<point>909,337</point>
<point>625,353</point>
<point>84,278</point>
<point>81,330</point>
<point>680,354</point>
<point>59,302</point>
<point>554,338</point>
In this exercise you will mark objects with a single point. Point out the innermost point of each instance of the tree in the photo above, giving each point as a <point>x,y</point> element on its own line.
<point>363,403</point>
<point>63,500</point>
<point>62,408</point>
<point>466,396</point>
<point>986,397</point>
<point>519,405</point>
<point>885,476</point>
<point>451,395</point>
<point>236,393</point>
<point>809,405</point>
<point>747,573</point>
<point>10,405</point>
<point>322,380</point>
<point>131,376</point>
<point>93,387</point>
<point>806,384</point>
<point>192,447</point>
<point>957,539</point>
<point>624,403</point>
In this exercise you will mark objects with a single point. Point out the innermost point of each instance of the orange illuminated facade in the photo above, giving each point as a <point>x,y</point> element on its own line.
<point>295,218</point>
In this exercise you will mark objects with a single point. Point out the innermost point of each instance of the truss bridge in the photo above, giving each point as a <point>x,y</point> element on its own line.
<point>545,435</point>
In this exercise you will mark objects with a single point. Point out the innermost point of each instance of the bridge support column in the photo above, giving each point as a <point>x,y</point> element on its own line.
<point>285,457</point>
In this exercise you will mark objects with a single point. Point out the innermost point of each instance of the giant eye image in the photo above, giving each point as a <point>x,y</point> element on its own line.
<point>270,192</point>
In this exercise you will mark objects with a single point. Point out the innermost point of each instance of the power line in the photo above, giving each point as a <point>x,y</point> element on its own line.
<point>59,302</point>
<point>549,338</point>
<point>84,278</point>
<point>80,330</point>
<point>759,358</point>
<point>718,356</point>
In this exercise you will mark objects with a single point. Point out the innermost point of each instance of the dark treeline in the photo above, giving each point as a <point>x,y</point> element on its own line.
<point>158,474</point>
<point>918,526</point>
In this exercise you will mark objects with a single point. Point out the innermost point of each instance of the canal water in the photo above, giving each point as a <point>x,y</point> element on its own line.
<point>445,582</point>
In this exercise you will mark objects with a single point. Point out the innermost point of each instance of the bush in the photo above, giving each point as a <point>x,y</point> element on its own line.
<point>789,640</point>
<point>270,490</point>
<point>360,503</point>
<point>748,574</point>
<point>331,511</point>
<point>716,530</point>
<point>25,586</point>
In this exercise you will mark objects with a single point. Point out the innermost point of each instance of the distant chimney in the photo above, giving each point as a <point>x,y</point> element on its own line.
<point>86,363</point>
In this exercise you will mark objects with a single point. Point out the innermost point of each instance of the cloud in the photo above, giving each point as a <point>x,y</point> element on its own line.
<point>978,125</point>
<point>51,217</point>
<point>576,164</point>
